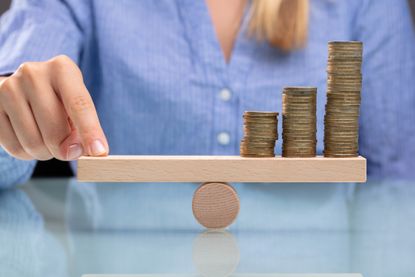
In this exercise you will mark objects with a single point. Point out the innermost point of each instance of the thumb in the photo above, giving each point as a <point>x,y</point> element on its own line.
<point>71,147</point>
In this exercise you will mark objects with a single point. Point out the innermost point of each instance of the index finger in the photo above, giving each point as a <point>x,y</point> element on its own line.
<point>69,85</point>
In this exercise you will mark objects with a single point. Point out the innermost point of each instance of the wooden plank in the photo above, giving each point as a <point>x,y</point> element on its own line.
<point>220,169</point>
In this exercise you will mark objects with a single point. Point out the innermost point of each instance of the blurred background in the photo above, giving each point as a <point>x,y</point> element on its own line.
<point>57,168</point>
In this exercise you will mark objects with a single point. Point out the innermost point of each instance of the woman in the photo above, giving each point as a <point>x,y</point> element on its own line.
<point>174,77</point>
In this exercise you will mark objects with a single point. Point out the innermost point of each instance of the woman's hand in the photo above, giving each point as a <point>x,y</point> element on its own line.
<point>46,111</point>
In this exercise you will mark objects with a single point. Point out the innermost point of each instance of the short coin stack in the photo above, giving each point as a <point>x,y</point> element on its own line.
<point>344,83</point>
<point>260,134</point>
<point>299,122</point>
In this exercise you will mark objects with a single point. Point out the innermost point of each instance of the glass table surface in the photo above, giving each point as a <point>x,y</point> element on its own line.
<point>59,227</point>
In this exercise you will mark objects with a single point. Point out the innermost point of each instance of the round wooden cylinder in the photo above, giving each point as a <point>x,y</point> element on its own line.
<point>215,205</point>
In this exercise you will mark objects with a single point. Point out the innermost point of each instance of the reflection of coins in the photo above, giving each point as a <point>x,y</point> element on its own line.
<point>344,83</point>
<point>215,253</point>
<point>215,205</point>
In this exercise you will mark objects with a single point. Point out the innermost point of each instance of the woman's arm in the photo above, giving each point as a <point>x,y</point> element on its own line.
<point>13,171</point>
<point>31,33</point>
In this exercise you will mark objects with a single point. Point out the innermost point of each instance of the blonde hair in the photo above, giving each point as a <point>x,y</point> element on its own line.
<point>283,23</point>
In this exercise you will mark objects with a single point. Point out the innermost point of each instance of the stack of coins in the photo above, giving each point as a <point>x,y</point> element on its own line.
<point>260,134</point>
<point>299,122</point>
<point>344,83</point>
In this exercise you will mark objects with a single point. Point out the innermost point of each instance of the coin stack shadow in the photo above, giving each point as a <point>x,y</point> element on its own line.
<point>299,122</point>
<point>344,84</point>
<point>260,134</point>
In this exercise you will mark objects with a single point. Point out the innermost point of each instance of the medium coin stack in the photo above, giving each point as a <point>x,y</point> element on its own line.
<point>260,134</point>
<point>299,122</point>
<point>344,83</point>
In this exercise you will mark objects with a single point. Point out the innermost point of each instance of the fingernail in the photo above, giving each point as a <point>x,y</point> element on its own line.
<point>97,148</point>
<point>74,152</point>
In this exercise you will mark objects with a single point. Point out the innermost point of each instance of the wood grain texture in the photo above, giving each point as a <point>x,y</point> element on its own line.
<point>220,169</point>
<point>215,205</point>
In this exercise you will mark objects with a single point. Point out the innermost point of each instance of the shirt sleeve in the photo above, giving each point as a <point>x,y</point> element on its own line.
<point>37,30</point>
<point>387,136</point>
<point>14,171</point>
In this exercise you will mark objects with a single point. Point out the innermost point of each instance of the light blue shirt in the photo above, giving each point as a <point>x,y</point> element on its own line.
<point>156,73</point>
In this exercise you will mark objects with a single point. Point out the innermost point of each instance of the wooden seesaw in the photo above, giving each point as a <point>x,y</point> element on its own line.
<point>216,203</point>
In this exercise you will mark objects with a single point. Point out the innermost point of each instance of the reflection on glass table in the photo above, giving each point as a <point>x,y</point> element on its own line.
<point>64,228</point>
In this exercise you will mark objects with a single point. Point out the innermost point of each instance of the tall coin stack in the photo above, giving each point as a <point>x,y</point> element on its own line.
<point>299,122</point>
<point>344,83</point>
<point>260,134</point>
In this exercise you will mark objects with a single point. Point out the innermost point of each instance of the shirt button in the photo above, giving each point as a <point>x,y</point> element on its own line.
<point>224,138</point>
<point>225,94</point>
